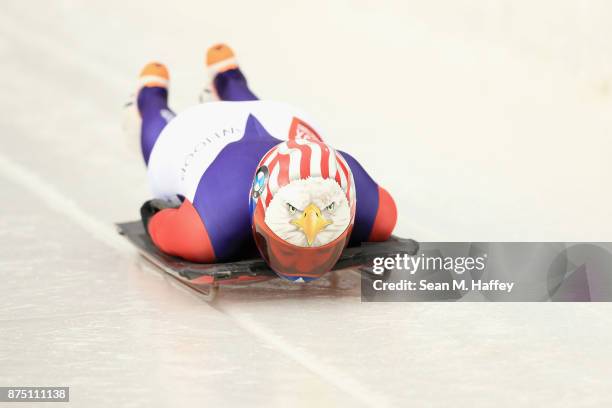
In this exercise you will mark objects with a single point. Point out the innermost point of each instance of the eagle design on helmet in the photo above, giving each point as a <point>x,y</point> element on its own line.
<point>303,205</point>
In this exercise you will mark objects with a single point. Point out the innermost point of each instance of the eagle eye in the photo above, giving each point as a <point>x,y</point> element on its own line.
<point>331,207</point>
<point>291,209</point>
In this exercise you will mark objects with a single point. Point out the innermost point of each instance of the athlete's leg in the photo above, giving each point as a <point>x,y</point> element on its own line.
<point>228,81</point>
<point>153,105</point>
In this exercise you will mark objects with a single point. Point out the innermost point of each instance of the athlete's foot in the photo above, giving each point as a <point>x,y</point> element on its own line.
<point>219,58</point>
<point>154,74</point>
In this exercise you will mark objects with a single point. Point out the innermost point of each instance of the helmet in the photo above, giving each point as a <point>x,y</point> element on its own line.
<point>302,205</point>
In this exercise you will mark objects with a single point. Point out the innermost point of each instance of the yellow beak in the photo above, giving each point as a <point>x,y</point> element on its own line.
<point>311,221</point>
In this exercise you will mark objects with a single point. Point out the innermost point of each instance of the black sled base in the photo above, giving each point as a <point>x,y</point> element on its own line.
<point>205,278</point>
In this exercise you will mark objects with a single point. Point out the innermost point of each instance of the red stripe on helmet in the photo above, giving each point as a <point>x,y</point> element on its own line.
<point>324,161</point>
<point>337,178</point>
<point>346,176</point>
<point>268,195</point>
<point>305,157</point>
<point>283,173</point>
<point>273,163</point>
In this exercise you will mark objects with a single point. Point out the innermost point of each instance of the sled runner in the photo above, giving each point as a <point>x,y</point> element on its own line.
<point>206,278</point>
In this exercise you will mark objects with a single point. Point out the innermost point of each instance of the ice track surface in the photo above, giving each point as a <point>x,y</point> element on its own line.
<point>464,95</point>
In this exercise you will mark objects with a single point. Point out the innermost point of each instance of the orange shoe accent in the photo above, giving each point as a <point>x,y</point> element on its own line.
<point>154,74</point>
<point>218,53</point>
<point>221,58</point>
<point>156,69</point>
